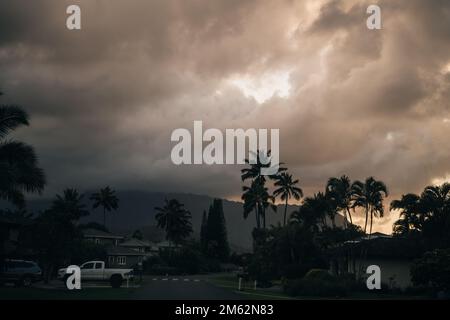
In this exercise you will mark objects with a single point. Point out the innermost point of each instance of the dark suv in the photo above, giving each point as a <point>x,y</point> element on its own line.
<point>20,272</point>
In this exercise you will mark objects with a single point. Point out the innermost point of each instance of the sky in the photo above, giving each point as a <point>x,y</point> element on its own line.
<point>105,99</point>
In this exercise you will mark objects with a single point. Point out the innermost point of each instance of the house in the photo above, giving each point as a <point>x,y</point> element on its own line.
<point>137,245</point>
<point>10,225</point>
<point>394,256</point>
<point>123,257</point>
<point>163,245</point>
<point>102,237</point>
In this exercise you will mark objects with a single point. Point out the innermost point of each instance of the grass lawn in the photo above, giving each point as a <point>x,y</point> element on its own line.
<point>231,282</point>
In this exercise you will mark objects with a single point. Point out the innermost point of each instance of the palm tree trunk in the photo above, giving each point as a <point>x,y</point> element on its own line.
<point>371,223</point>
<point>349,214</point>
<point>367,219</point>
<point>264,217</point>
<point>285,211</point>
<point>104,217</point>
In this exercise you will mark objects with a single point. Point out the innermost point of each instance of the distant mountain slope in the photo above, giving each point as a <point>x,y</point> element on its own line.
<point>136,211</point>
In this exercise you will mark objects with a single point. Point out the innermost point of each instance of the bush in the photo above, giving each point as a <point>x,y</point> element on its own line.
<point>315,287</point>
<point>432,270</point>
<point>320,283</point>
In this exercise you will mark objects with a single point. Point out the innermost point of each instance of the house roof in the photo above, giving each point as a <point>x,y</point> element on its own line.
<point>94,233</point>
<point>377,235</point>
<point>13,219</point>
<point>122,251</point>
<point>135,243</point>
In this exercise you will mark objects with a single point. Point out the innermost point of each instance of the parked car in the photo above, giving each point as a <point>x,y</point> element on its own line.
<point>96,271</point>
<point>20,272</point>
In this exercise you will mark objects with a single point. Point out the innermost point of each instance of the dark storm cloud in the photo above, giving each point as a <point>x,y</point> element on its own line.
<point>105,99</point>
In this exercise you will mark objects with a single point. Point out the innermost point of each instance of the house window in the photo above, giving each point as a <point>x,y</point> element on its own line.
<point>97,241</point>
<point>121,260</point>
<point>111,260</point>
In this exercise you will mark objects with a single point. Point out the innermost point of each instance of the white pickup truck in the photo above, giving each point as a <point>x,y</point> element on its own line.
<point>96,271</point>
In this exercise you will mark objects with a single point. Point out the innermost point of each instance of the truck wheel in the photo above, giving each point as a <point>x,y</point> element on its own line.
<point>116,281</point>
<point>26,281</point>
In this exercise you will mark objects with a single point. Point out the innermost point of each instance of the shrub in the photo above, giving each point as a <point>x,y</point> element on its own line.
<point>315,287</point>
<point>320,283</point>
<point>432,270</point>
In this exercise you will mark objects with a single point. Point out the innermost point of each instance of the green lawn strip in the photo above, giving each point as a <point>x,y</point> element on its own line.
<point>230,282</point>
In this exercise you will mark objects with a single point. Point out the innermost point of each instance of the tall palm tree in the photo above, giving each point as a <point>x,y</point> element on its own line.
<point>340,192</point>
<point>286,190</point>
<point>257,198</point>
<point>70,205</point>
<point>19,171</point>
<point>369,195</point>
<point>175,220</point>
<point>410,206</point>
<point>107,199</point>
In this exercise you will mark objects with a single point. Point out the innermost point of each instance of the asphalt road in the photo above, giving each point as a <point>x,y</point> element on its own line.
<point>182,288</point>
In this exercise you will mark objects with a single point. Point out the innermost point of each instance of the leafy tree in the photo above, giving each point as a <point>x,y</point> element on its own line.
<point>107,199</point>
<point>19,171</point>
<point>93,225</point>
<point>175,220</point>
<point>137,234</point>
<point>54,234</point>
<point>286,189</point>
<point>204,232</point>
<point>432,269</point>
<point>216,232</point>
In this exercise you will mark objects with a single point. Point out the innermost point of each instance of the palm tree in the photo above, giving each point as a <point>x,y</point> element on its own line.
<point>257,198</point>
<point>340,192</point>
<point>409,204</point>
<point>254,171</point>
<point>175,220</point>
<point>69,205</point>
<point>286,190</point>
<point>436,199</point>
<point>19,171</point>
<point>312,212</point>
<point>369,195</point>
<point>107,199</point>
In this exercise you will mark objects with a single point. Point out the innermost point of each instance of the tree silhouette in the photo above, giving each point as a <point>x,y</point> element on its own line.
<point>409,220</point>
<point>369,195</point>
<point>19,171</point>
<point>107,199</point>
<point>175,220</point>
<point>257,198</point>
<point>70,204</point>
<point>286,190</point>
<point>340,191</point>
